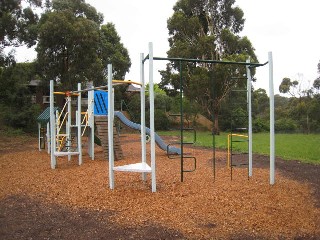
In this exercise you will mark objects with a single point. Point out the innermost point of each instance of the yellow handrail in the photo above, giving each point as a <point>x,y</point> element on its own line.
<point>229,136</point>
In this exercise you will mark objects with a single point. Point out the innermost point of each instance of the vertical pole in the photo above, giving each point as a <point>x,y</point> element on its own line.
<point>39,136</point>
<point>151,96</point>
<point>79,125</point>
<point>52,127</point>
<point>68,126</point>
<point>272,131</point>
<point>249,117</point>
<point>110,128</point>
<point>213,132</point>
<point>48,137</point>
<point>181,122</point>
<point>143,116</point>
<point>91,123</point>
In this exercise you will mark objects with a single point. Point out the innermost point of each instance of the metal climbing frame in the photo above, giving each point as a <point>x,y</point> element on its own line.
<point>239,126</point>
<point>248,65</point>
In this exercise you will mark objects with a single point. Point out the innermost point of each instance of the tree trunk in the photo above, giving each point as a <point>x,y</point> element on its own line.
<point>216,129</point>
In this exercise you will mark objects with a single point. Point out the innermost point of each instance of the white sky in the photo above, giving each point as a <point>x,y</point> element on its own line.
<point>287,28</point>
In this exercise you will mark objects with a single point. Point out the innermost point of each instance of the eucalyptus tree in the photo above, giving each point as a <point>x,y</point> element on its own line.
<point>316,83</point>
<point>74,46</point>
<point>206,30</point>
<point>18,26</point>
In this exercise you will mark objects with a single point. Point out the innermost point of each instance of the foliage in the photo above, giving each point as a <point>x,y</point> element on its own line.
<point>260,125</point>
<point>285,125</point>
<point>74,46</point>
<point>316,83</point>
<point>287,85</point>
<point>190,109</point>
<point>113,51</point>
<point>18,25</point>
<point>162,103</point>
<point>205,30</point>
<point>16,107</point>
<point>161,120</point>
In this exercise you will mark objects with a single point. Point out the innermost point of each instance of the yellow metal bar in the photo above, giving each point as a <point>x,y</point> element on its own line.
<point>65,93</point>
<point>229,141</point>
<point>238,135</point>
<point>126,82</point>
<point>59,93</point>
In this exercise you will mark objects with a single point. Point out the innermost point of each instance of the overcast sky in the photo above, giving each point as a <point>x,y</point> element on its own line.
<point>290,29</point>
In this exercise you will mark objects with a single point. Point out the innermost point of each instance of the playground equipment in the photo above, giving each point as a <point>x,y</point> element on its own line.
<point>161,144</point>
<point>141,167</point>
<point>235,138</point>
<point>66,137</point>
<point>248,66</point>
<point>241,131</point>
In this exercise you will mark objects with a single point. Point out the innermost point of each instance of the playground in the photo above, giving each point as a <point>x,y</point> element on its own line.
<point>163,188</point>
<point>74,200</point>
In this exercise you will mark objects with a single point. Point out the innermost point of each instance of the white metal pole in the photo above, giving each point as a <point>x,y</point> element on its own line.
<point>39,136</point>
<point>79,125</point>
<point>143,118</point>
<point>151,96</point>
<point>249,117</point>
<point>52,126</point>
<point>110,128</point>
<point>272,131</point>
<point>91,123</point>
<point>48,137</point>
<point>68,126</point>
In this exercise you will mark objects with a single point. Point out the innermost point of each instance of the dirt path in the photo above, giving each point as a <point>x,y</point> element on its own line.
<point>74,202</point>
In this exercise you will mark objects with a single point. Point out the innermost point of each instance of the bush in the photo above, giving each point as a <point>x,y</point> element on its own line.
<point>161,120</point>
<point>260,125</point>
<point>285,125</point>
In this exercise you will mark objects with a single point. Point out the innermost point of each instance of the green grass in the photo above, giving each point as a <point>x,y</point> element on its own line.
<point>305,148</point>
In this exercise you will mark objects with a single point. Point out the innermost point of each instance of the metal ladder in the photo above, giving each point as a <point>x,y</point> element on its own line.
<point>238,134</point>
<point>184,156</point>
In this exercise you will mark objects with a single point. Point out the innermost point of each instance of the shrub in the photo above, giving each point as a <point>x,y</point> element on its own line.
<point>285,125</point>
<point>260,125</point>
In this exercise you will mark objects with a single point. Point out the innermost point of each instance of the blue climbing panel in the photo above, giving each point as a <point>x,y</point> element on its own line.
<point>100,103</point>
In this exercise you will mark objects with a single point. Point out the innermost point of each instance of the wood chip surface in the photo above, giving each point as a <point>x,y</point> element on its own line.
<point>201,207</point>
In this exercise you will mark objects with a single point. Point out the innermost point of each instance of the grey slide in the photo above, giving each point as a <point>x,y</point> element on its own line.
<point>158,139</point>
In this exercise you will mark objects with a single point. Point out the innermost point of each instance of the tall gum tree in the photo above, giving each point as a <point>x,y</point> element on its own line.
<point>206,30</point>
<point>73,45</point>
<point>18,26</point>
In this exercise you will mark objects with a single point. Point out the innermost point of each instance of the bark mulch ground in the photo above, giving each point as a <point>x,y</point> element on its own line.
<point>75,202</point>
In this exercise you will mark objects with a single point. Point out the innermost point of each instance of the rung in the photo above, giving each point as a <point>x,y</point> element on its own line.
<point>240,141</point>
<point>241,164</point>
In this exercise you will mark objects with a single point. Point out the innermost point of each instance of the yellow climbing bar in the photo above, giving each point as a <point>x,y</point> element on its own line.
<point>229,141</point>
<point>126,82</point>
<point>67,93</point>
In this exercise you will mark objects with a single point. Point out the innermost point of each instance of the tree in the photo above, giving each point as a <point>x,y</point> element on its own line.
<point>113,51</point>
<point>74,47</point>
<point>18,26</point>
<point>16,106</point>
<point>206,30</point>
<point>288,86</point>
<point>316,83</point>
<point>302,103</point>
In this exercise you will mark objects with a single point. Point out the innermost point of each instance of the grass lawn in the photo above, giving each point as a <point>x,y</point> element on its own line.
<point>301,147</point>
